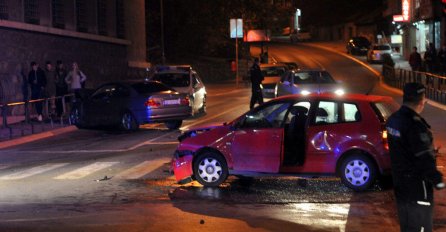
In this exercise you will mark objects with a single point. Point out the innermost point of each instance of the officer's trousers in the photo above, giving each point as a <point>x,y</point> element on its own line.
<point>256,97</point>
<point>415,216</point>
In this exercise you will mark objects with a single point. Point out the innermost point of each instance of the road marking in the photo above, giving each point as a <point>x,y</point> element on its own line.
<point>142,169</point>
<point>85,171</point>
<point>32,171</point>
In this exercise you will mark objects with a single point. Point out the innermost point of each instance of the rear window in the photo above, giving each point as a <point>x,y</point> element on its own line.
<point>385,109</point>
<point>273,71</point>
<point>149,87</point>
<point>381,47</point>
<point>173,79</point>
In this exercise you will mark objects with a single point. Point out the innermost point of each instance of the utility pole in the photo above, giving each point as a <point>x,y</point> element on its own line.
<point>163,57</point>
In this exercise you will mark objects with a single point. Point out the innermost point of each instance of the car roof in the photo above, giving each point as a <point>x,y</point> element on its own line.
<point>333,96</point>
<point>173,68</point>
<point>273,65</point>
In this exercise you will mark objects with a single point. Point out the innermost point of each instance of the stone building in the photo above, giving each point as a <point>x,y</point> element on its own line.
<point>105,37</point>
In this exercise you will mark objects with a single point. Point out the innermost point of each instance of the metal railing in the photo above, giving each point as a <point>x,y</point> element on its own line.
<point>66,101</point>
<point>435,84</point>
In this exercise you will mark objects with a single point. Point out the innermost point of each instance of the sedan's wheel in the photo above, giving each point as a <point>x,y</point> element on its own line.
<point>203,107</point>
<point>174,124</point>
<point>128,122</point>
<point>210,169</point>
<point>358,172</point>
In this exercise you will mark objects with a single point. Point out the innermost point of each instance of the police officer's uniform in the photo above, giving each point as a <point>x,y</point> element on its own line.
<point>413,168</point>
<point>256,80</point>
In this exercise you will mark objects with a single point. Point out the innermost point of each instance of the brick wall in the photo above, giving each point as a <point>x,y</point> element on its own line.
<point>100,61</point>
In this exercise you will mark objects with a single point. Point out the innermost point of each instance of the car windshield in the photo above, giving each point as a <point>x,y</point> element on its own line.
<point>273,71</point>
<point>381,47</point>
<point>312,77</point>
<point>149,87</point>
<point>173,79</point>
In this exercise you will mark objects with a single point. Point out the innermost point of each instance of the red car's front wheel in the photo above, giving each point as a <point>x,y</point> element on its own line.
<point>210,169</point>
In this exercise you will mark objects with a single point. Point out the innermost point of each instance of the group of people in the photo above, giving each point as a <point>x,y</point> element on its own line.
<point>51,83</point>
<point>434,62</point>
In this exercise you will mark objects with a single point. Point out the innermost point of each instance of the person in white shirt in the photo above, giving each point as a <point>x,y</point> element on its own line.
<point>74,79</point>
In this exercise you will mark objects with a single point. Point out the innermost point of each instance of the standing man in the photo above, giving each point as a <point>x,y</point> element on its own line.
<point>61,86</point>
<point>37,82</point>
<point>256,80</point>
<point>50,75</point>
<point>430,58</point>
<point>415,60</point>
<point>413,162</point>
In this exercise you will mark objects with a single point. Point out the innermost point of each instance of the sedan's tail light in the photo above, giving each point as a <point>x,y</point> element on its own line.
<point>185,101</point>
<point>384,138</point>
<point>151,103</point>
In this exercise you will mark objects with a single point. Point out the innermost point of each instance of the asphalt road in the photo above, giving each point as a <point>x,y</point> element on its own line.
<point>90,180</point>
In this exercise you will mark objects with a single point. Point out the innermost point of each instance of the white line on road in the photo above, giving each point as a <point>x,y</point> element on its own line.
<point>32,171</point>
<point>85,171</point>
<point>142,169</point>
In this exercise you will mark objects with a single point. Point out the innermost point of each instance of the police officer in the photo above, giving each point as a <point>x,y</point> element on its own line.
<point>256,80</point>
<point>413,161</point>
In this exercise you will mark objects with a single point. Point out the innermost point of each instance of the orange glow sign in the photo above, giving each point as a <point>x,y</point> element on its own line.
<point>405,16</point>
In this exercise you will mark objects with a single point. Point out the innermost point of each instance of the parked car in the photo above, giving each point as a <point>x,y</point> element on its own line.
<point>375,54</point>
<point>126,105</point>
<point>358,45</point>
<point>271,74</point>
<point>183,79</point>
<point>300,36</point>
<point>306,82</point>
<point>296,134</point>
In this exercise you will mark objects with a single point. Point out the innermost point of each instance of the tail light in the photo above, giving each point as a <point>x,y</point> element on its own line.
<point>185,101</point>
<point>384,138</point>
<point>151,103</point>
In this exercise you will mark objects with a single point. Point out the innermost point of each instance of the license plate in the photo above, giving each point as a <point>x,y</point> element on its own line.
<point>171,102</point>
<point>269,90</point>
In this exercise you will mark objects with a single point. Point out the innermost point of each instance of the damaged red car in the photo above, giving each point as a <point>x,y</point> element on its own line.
<point>317,134</point>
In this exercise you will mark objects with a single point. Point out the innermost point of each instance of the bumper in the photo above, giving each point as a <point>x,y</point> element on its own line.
<point>182,167</point>
<point>150,115</point>
<point>269,90</point>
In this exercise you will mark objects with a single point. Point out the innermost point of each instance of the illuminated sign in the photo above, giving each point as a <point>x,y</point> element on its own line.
<point>236,28</point>
<point>405,16</point>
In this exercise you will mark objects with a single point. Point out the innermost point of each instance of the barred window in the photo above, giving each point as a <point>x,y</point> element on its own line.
<point>31,8</point>
<point>120,23</point>
<point>102,17</point>
<point>81,16</point>
<point>58,16</point>
<point>3,9</point>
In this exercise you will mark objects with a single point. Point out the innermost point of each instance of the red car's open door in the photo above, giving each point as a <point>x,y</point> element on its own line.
<point>257,149</point>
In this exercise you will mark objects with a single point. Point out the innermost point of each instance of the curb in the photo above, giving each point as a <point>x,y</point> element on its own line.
<point>34,137</point>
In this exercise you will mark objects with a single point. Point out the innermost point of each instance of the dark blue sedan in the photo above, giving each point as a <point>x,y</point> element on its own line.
<point>126,105</point>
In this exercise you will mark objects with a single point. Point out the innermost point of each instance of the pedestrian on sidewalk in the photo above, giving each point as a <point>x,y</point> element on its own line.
<point>415,60</point>
<point>50,75</point>
<point>256,80</point>
<point>430,58</point>
<point>74,79</point>
<point>61,86</point>
<point>37,82</point>
<point>442,60</point>
<point>413,161</point>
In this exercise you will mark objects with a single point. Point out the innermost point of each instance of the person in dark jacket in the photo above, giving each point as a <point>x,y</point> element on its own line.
<point>430,58</point>
<point>415,60</point>
<point>256,80</point>
<point>37,82</point>
<point>413,161</point>
<point>61,86</point>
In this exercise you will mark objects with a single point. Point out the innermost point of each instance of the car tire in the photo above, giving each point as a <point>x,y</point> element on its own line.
<point>75,118</point>
<point>173,124</point>
<point>358,172</point>
<point>203,107</point>
<point>128,122</point>
<point>210,169</point>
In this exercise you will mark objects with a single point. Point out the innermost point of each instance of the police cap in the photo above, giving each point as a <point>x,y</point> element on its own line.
<point>413,91</point>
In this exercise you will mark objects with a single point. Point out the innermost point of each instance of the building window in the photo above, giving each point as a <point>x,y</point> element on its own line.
<point>120,23</point>
<point>3,9</point>
<point>31,8</point>
<point>81,16</point>
<point>102,17</point>
<point>58,16</point>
